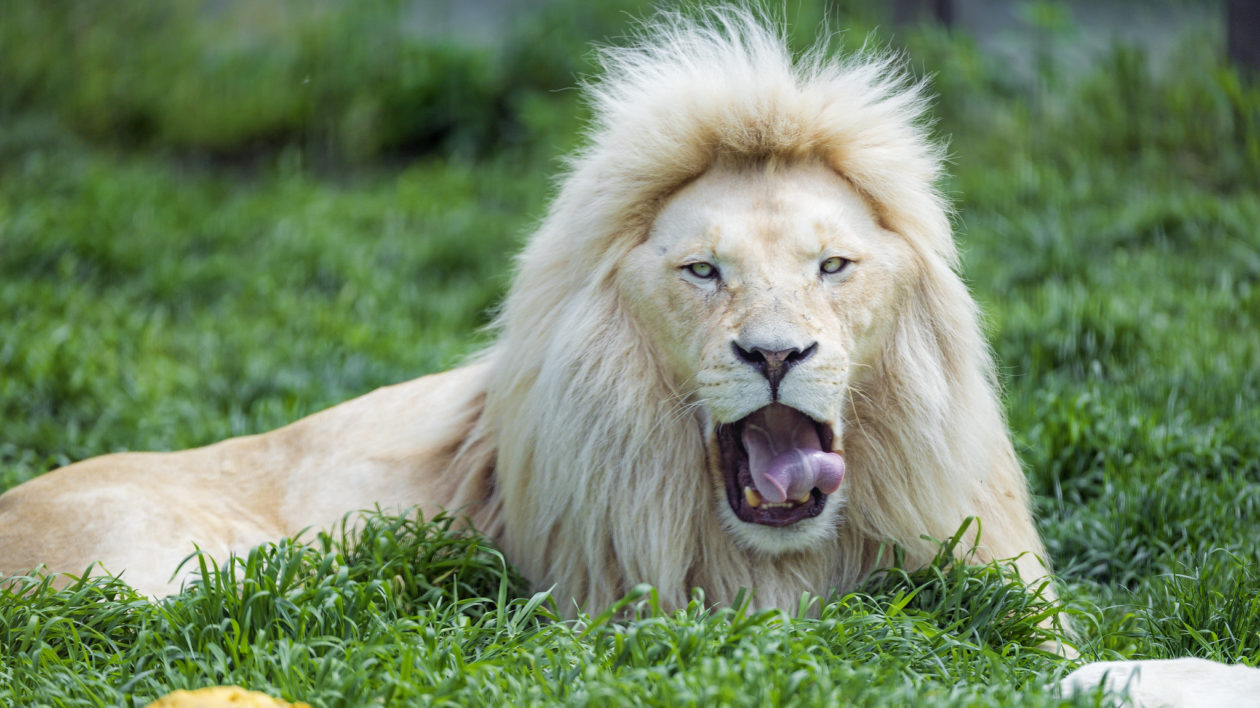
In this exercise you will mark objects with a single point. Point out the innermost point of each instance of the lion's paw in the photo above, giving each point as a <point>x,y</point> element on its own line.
<point>1170,683</point>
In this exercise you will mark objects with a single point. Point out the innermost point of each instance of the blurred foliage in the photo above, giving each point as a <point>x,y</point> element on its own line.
<point>344,81</point>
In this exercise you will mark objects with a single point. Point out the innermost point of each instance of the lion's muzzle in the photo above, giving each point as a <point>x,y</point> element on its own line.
<point>773,364</point>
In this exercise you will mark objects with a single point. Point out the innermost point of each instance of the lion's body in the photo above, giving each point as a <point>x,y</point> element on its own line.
<point>598,440</point>
<point>141,513</point>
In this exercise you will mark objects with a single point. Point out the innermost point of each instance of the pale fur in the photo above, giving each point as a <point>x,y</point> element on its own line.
<point>1169,683</point>
<point>586,487</point>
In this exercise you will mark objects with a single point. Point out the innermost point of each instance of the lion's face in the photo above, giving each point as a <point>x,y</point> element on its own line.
<point>769,293</point>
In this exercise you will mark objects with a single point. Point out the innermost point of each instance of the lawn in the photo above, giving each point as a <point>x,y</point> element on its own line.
<point>214,222</point>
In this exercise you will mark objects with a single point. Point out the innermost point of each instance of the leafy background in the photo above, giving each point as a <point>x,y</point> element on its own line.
<point>216,217</point>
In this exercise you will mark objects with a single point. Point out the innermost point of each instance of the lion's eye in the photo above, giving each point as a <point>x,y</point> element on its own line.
<point>702,270</point>
<point>832,265</point>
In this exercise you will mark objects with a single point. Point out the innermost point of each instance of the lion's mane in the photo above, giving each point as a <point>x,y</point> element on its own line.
<point>590,465</point>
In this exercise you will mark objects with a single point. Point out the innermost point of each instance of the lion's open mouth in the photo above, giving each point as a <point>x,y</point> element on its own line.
<point>778,466</point>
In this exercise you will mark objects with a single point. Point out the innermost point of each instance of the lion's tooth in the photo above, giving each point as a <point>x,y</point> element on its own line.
<point>805,497</point>
<point>752,496</point>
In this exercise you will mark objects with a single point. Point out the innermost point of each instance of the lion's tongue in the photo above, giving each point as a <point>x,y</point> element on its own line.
<point>785,455</point>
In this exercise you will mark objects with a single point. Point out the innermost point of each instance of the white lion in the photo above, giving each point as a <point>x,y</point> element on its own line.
<point>736,354</point>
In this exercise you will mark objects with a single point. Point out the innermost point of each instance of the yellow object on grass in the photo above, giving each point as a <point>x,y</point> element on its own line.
<point>221,697</point>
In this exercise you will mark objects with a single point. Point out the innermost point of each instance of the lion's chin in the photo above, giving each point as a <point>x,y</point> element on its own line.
<point>790,499</point>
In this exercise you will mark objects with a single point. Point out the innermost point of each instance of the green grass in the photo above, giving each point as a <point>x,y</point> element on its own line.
<point>411,611</point>
<point>171,275</point>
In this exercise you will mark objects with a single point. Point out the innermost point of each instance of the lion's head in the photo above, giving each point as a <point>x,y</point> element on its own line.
<point>768,292</point>
<point>736,353</point>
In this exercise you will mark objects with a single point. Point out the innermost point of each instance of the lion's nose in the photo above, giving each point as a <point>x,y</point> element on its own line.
<point>773,364</point>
